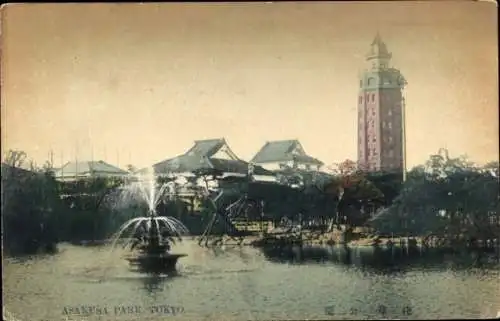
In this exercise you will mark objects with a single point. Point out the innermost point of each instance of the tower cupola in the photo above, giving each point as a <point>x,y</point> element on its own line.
<point>378,55</point>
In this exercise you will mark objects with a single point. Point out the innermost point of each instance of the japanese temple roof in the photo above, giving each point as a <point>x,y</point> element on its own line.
<point>199,157</point>
<point>207,147</point>
<point>281,150</point>
<point>187,163</point>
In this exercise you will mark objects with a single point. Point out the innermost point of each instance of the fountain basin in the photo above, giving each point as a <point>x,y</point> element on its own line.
<point>154,261</point>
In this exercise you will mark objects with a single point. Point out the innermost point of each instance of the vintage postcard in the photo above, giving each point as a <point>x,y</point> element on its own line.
<point>250,161</point>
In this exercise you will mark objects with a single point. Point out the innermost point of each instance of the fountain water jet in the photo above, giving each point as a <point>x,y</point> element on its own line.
<point>150,236</point>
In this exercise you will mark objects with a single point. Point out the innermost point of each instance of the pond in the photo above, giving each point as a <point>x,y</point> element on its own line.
<point>243,283</point>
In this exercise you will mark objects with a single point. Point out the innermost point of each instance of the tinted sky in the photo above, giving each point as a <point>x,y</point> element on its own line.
<point>139,83</point>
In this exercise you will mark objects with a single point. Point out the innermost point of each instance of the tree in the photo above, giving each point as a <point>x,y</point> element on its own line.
<point>344,168</point>
<point>15,158</point>
<point>389,184</point>
<point>356,194</point>
<point>91,204</point>
<point>448,197</point>
<point>31,208</point>
<point>493,168</point>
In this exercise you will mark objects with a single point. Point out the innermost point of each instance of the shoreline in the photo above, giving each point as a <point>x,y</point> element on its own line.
<point>306,238</point>
<point>335,237</point>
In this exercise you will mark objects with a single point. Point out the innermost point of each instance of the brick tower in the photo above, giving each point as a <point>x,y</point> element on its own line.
<point>380,112</point>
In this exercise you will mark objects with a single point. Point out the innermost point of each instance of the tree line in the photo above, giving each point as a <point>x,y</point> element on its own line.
<point>38,211</point>
<point>445,197</point>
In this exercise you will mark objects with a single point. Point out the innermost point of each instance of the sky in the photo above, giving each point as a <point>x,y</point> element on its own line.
<point>138,83</point>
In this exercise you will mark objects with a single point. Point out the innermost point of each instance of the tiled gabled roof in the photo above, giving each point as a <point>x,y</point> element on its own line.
<point>187,163</point>
<point>182,164</point>
<point>206,147</point>
<point>307,159</point>
<point>88,168</point>
<point>282,151</point>
<point>199,157</point>
<point>275,151</point>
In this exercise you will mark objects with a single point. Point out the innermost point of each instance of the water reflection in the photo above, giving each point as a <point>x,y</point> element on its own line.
<point>155,283</point>
<point>395,259</point>
<point>261,284</point>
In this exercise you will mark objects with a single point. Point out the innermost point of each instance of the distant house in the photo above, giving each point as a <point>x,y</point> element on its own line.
<point>87,169</point>
<point>285,154</point>
<point>210,154</point>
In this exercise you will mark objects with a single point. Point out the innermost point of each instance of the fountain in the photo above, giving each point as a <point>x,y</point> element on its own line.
<point>152,235</point>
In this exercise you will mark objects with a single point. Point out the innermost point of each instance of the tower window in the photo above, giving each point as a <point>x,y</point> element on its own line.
<point>373,97</point>
<point>389,124</point>
<point>360,99</point>
<point>389,112</point>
